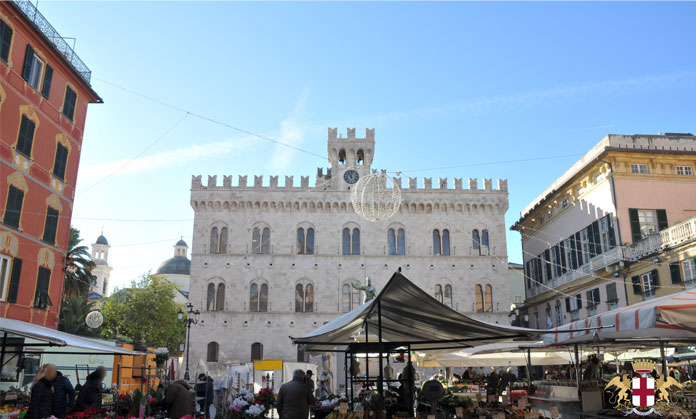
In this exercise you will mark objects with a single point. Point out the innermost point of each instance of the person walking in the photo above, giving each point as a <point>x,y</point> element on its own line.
<point>294,398</point>
<point>205,392</point>
<point>309,381</point>
<point>63,396</point>
<point>89,395</point>
<point>177,400</point>
<point>42,393</point>
<point>493,381</point>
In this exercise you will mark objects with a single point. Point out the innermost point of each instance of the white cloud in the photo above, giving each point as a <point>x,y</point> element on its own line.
<point>293,132</point>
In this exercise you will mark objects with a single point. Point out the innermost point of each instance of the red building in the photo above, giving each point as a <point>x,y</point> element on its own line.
<point>44,93</point>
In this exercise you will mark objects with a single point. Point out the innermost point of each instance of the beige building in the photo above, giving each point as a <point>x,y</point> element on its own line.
<point>99,288</point>
<point>270,261</point>
<point>575,234</point>
<point>177,270</point>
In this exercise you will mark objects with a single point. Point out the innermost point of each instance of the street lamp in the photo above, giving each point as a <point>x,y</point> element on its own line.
<point>191,318</point>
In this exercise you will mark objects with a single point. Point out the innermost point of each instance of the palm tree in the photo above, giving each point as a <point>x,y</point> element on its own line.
<point>73,313</point>
<point>78,267</point>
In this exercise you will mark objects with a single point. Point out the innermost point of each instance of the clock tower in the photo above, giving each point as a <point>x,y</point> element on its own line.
<point>350,157</point>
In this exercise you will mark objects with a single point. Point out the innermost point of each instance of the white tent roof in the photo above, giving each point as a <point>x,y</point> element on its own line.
<point>409,316</point>
<point>500,359</point>
<point>46,334</point>
<point>671,316</point>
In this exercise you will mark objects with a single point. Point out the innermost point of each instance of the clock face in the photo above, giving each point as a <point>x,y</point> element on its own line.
<point>351,176</point>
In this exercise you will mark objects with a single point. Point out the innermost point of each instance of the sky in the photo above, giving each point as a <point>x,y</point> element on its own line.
<point>502,90</point>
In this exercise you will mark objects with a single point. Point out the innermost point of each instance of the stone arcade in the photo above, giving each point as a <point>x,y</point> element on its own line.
<point>272,261</point>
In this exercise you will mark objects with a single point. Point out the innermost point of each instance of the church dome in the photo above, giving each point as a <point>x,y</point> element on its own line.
<point>178,265</point>
<point>102,240</point>
<point>181,243</point>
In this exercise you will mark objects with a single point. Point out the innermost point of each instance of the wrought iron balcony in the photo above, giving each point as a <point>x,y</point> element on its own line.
<point>32,14</point>
<point>669,237</point>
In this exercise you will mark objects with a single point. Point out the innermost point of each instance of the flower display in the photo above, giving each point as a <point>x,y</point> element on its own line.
<point>249,406</point>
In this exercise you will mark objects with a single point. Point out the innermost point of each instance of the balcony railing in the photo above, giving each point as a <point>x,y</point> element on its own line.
<point>33,14</point>
<point>669,237</point>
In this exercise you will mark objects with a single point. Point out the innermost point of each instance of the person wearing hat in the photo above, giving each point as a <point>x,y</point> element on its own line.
<point>309,381</point>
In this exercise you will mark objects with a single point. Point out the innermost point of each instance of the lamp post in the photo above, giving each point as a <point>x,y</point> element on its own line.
<point>191,318</point>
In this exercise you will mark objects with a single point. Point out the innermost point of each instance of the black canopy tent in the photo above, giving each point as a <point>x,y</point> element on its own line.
<point>404,318</point>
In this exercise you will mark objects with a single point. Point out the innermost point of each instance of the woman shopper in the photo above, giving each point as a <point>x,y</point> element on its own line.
<point>42,393</point>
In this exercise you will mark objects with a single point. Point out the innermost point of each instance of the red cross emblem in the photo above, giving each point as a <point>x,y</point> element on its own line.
<point>643,391</point>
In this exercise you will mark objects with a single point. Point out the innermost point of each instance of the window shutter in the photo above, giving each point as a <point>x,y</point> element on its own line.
<point>612,233</point>
<point>674,272</point>
<point>28,61</point>
<point>655,278</point>
<point>568,304</point>
<point>595,293</point>
<point>661,219</point>
<point>547,259</point>
<point>635,224</point>
<point>561,247</point>
<point>596,238</point>
<point>573,253</point>
<point>14,280</point>
<point>637,289</point>
<point>539,275</point>
<point>578,248</point>
<point>578,299</point>
<point>5,41</point>
<point>46,88</point>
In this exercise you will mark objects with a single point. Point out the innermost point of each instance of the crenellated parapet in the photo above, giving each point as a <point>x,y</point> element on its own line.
<point>413,184</point>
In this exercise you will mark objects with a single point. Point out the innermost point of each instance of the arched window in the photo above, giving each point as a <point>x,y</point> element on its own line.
<point>438,293</point>
<point>355,245</point>
<point>391,241</point>
<point>361,157</point>
<point>484,243</point>
<point>220,298</point>
<point>300,241</point>
<point>478,290</point>
<point>396,241</point>
<point>476,243</point>
<point>210,300</point>
<point>436,243</point>
<point>341,156</point>
<point>445,243</point>
<point>489,298</point>
<point>263,298</point>
<point>266,241</point>
<point>213,351</point>
<point>254,297</point>
<point>350,298</point>
<point>346,241</point>
<point>310,241</point>
<point>299,298</point>
<point>309,298</point>
<point>301,354</point>
<point>214,240</point>
<point>223,240</point>
<point>256,241</point>
<point>401,242</point>
<point>448,296</point>
<point>256,351</point>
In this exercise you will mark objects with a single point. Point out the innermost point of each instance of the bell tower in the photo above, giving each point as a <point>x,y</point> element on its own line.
<point>350,157</point>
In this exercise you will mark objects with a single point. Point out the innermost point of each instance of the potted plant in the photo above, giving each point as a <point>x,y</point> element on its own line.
<point>161,356</point>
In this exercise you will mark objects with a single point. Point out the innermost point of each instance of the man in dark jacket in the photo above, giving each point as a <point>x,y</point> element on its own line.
<point>90,393</point>
<point>177,400</point>
<point>63,395</point>
<point>41,393</point>
<point>205,392</point>
<point>294,398</point>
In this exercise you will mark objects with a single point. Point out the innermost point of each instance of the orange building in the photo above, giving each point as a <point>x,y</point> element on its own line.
<point>44,93</point>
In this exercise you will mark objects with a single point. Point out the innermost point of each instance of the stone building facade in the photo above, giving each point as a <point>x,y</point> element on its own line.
<point>270,261</point>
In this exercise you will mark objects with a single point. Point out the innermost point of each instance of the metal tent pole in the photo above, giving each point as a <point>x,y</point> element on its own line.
<point>367,354</point>
<point>380,376</point>
<point>2,352</point>
<point>577,374</point>
<point>664,360</point>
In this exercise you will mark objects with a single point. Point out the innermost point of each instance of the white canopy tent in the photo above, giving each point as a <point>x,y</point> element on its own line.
<point>669,317</point>
<point>508,354</point>
<point>57,338</point>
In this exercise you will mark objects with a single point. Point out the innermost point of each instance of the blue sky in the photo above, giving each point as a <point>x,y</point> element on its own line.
<point>444,84</point>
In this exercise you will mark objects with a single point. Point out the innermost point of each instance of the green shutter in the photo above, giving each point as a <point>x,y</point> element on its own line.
<point>50,226</point>
<point>612,233</point>
<point>25,138</point>
<point>60,162</point>
<point>596,238</point>
<point>578,298</point>
<point>5,41</point>
<point>46,88</point>
<point>561,249</point>
<point>13,208</point>
<point>637,288</point>
<point>675,273</point>
<point>568,304</point>
<point>28,61</point>
<point>578,247</point>
<point>635,224</point>
<point>661,219</point>
<point>655,278</point>
<point>14,280</point>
